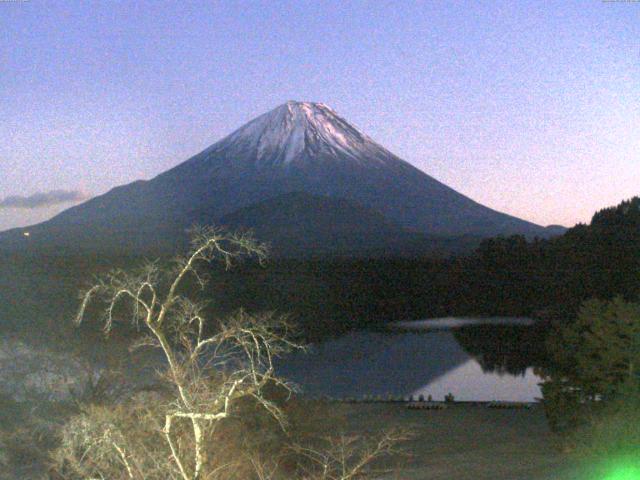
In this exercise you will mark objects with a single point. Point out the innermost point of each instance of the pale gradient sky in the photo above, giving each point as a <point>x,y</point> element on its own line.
<point>531,108</point>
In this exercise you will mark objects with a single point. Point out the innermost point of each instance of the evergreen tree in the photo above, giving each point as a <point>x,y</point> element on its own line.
<point>596,360</point>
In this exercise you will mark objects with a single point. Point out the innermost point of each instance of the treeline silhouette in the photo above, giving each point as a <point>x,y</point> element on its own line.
<point>511,276</point>
<point>551,278</point>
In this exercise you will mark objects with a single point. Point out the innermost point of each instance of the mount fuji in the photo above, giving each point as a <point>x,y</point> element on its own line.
<point>295,173</point>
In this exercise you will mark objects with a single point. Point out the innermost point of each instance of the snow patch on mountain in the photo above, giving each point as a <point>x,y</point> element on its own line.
<point>298,131</point>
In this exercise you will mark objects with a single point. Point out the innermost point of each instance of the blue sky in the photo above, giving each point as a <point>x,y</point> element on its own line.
<point>532,108</point>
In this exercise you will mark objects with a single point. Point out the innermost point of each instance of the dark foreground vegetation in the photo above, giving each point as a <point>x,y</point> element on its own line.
<point>582,286</point>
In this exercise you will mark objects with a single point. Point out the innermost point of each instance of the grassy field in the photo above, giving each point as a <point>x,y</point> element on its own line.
<point>463,442</point>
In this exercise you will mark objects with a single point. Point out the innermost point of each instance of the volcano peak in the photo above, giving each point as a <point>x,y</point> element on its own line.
<point>296,132</point>
<point>296,147</point>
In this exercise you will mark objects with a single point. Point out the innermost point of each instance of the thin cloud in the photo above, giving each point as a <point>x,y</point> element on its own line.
<point>43,199</point>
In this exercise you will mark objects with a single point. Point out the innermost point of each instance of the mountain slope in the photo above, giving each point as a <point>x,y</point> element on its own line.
<point>297,147</point>
<point>300,224</point>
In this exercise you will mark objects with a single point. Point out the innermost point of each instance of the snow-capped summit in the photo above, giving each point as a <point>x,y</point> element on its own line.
<point>297,131</point>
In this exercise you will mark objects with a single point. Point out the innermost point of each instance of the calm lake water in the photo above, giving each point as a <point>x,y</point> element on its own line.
<point>431,357</point>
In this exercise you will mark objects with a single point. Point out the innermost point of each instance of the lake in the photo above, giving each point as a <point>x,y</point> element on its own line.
<point>474,359</point>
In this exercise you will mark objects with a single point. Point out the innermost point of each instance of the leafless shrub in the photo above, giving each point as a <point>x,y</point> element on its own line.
<point>347,457</point>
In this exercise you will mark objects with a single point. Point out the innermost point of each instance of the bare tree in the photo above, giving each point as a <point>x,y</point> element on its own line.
<point>240,354</point>
<point>211,376</point>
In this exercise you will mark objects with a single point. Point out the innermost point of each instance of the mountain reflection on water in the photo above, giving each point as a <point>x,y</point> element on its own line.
<point>479,362</point>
